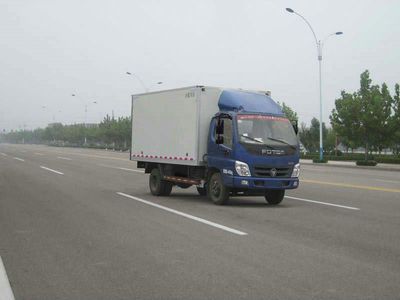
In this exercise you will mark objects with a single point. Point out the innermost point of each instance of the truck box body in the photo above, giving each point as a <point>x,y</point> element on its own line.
<point>172,126</point>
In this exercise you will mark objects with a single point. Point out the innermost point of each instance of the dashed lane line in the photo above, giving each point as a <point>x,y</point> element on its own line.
<point>185,215</point>
<point>323,203</point>
<point>94,156</point>
<point>20,159</point>
<point>120,168</point>
<point>64,158</point>
<point>51,170</point>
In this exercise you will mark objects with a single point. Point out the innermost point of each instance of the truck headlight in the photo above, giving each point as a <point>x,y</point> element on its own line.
<point>296,170</point>
<point>242,168</point>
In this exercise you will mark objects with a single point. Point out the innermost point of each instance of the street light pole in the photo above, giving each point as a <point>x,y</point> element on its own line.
<point>140,80</point>
<point>321,144</point>
<point>319,45</point>
<point>85,120</point>
<point>142,83</point>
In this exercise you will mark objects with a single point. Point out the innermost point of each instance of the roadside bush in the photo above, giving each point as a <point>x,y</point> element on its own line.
<point>333,153</point>
<point>366,163</point>
<point>387,159</point>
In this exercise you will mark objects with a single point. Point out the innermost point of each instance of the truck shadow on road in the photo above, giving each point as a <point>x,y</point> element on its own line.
<point>233,201</point>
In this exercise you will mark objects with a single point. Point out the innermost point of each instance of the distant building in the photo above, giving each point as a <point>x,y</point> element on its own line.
<point>89,125</point>
<point>54,124</point>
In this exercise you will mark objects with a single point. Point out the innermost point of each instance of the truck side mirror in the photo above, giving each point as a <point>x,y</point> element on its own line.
<point>295,127</point>
<point>219,140</point>
<point>220,127</point>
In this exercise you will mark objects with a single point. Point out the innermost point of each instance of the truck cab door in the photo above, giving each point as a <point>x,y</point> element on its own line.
<point>220,147</point>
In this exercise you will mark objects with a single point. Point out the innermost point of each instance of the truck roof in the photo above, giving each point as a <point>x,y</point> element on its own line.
<point>238,100</point>
<point>248,101</point>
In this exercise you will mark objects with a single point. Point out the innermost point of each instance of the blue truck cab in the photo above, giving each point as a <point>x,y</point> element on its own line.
<point>252,149</point>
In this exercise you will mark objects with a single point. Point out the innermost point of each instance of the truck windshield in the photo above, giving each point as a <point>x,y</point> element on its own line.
<point>266,130</point>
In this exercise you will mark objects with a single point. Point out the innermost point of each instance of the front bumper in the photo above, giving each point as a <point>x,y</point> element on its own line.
<point>262,183</point>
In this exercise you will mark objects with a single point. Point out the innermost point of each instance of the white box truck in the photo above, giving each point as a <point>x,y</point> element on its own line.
<point>227,142</point>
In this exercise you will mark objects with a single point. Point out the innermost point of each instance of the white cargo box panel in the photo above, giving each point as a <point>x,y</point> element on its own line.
<point>172,126</point>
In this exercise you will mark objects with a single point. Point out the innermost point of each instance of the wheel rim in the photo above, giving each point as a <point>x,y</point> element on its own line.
<point>215,188</point>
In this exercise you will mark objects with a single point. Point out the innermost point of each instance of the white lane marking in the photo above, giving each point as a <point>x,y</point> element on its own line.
<point>231,230</point>
<point>51,170</point>
<point>6,292</point>
<point>3,154</point>
<point>120,168</point>
<point>64,158</point>
<point>37,153</point>
<point>323,203</point>
<point>94,156</point>
<point>385,180</point>
<point>20,159</point>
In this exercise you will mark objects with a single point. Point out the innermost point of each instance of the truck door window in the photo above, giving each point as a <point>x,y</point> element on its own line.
<point>227,133</point>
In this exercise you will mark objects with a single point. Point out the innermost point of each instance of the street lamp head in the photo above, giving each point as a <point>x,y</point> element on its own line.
<point>339,33</point>
<point>289,10</point>
<point>160,82</point>
<point>129,73</point>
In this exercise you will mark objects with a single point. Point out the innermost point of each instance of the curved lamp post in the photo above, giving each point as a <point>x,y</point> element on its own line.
<point>140,80</point>
<point>86,107</point>
<point>320,45</point>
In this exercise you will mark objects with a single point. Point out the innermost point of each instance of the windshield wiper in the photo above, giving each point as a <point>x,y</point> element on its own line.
<point>256,140</point>
<point>251,138</point>
<point>283,142</point>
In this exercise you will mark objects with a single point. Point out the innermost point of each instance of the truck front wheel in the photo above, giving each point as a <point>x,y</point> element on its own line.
<point>217,191</point>
<point>274,197</point>
<point>159,187</point>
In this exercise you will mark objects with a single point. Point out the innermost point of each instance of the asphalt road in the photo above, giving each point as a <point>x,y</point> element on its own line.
<point>66,233</point>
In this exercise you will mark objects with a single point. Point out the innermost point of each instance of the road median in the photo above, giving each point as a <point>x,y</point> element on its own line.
<point>352,165</point>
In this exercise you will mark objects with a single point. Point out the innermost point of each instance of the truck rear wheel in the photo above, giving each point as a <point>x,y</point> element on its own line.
<point>159,187</point>
<point>274,197</point>
<point>217,191</point>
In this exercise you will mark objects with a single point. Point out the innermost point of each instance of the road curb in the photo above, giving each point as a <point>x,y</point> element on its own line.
<point>352,167</point>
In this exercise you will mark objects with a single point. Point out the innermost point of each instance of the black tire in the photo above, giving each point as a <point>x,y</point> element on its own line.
<point>167,188</point>
<point>202,191</point>
<point>216,190</point>
<point>274,197</point>
<point>159,187</point>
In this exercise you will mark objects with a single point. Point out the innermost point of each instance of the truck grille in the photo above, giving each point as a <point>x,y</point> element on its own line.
<point>263,171</point>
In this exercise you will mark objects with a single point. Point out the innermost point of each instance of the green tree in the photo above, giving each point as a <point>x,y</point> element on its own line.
<point>346,120</point>
<point>289,112</point>
<point>309,136</point>
<point>395,119</point>
<point>363,118</point>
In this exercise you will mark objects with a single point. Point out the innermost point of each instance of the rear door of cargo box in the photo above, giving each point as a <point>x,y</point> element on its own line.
<point>164,126</point>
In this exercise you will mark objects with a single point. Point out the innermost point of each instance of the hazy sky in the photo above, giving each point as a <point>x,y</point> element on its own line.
<point>51,49</point>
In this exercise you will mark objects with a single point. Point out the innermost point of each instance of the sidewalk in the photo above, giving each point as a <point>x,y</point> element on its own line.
<point>352,164</point>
